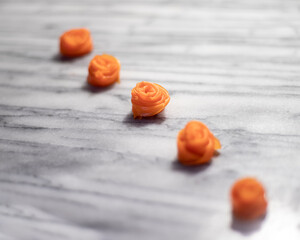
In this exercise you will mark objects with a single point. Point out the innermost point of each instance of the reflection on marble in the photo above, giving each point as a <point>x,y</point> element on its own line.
<point>76,165</point>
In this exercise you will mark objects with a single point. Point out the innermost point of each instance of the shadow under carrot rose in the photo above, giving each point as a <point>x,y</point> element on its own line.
<point>60,58</point>
<point>139,122</point>
<point>190,170</point>
<point>91,89</point>
<point>246,227</point>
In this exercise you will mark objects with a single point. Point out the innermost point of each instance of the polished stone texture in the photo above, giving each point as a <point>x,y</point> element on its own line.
<point>76,165</point>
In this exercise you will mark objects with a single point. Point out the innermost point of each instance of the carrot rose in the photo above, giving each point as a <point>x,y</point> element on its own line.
<point>104,70</point>
<point>76,42</point>
<point>148,99</point>
<point>196,144</point>
<point>248,199</point>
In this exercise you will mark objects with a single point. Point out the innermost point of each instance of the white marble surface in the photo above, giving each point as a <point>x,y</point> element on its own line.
<point>75,165</point>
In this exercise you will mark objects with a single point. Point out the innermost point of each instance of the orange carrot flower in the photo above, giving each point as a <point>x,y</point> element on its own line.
<point>196,144</point>
<point>104,70</point>
<point>76,42</point>
<point>148,99</point>
<point>248,199</point>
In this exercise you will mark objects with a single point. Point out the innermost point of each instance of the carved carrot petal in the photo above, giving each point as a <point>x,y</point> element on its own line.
<point>104,70</point>
<point>76,42</point>
<point>248,199</point>
<point>148,99</point>
<point>196,144</point>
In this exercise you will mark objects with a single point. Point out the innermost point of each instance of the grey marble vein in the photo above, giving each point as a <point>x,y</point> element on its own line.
<point>74,164</point>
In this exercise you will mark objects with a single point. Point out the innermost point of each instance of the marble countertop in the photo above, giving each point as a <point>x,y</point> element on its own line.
<point>74,164</point>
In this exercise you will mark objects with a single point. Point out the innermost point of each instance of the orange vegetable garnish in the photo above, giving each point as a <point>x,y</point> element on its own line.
<point>196,144</point>
<point>76,42</point>
<point>248,199</point>
<point>148,99</point>
<point>104,70</point>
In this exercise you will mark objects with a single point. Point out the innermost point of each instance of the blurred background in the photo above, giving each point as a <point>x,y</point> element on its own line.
<point>75,165</point>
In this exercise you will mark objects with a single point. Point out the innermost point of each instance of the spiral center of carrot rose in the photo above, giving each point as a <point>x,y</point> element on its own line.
<point>104,70</point>
<point>148,99</point>
<point>248,199</point>
<point>76,37</point>
<point>79,38</point>
<point>196,144</point>
<point>148,89</point>
<point>196,136</point>
<point>76,42</point>
<point>250,191</point>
